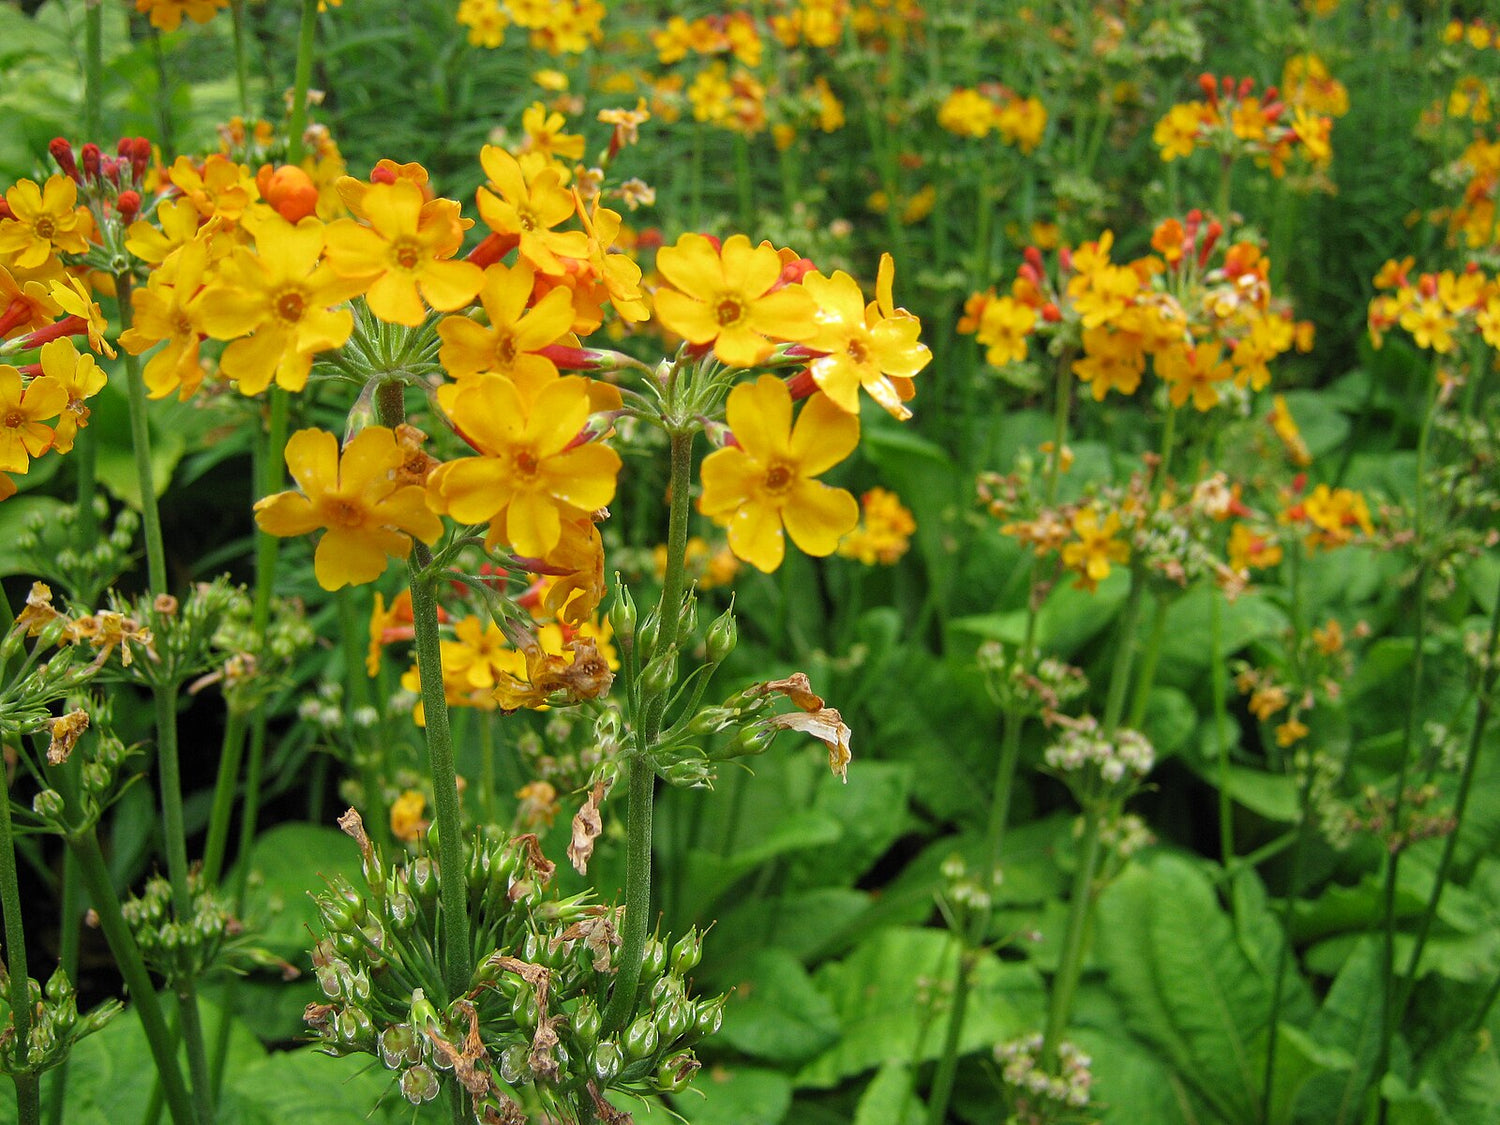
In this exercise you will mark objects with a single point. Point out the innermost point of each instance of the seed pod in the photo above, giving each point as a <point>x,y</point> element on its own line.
<point>606,1061</point>
<point>586,1022</point>
<point>723,635</point>
<point>673,1075</point>
<point>641,1039</point>
<point>622,616</point>
<point>687,952</point>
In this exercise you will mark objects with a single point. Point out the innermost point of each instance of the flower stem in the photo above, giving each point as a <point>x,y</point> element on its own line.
<point>1070,965</point>
<point>28,1087</point>
<point>140,439</point>
<point>1460,806</point>
<point>307,33</point>
<point>241,58</point>
<point>93,71</point>
<point>1220,719</point>
<point>640,777</point>
<point>1283,959</point>
<point>133,969</point>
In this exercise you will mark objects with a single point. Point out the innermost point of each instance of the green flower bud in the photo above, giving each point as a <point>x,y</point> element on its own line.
<point>751,740</point>
<point>49,805</point>
<point>687,622</point>
<point>622,615</point>
<point>710,1016</point>
<point>660,674</point>
<point>586,1022</point>
<point>641,1039</point>
<point>723,634</point>
<point>687,952</point>
<point>653,960</point>
<point>606,1061</point>
<point>692,771</point>
<point>674,1018</point>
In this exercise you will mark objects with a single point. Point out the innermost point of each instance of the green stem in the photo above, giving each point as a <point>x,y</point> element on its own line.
<point>1119,679</point>
<point>140,439</point>
<point>231,751</point>
<point>1460,806</point>
<point>70,921</point>
<point>133,969</point>
<point>1284,957</point>
<point>1070,965</point>
<point>241,59</point>
<point>163,100</point>
<point>947,1070</point>
<point>1408,744</point>
<point>640,777</point>
<point>93,71</point>
<point>28,1086</point>
<point>1147,676</point>
<point>1220,719</point>
<point>307,34</point>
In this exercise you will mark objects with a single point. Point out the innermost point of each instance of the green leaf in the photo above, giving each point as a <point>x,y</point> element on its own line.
<point>311,1088</point>
<point>1184,982</point>
<point>872,809</point>
<point>776,1013</point>
<point>1184,651</point>
<point>739,1096</point>
<point>15,514</point>
<point>287,865</point>
<point>877,993</point>
<point>889,1098</point>
<point>1066,622</point>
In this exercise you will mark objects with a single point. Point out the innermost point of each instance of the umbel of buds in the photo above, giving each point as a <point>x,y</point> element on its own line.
<point>528,1026</point>
<point>55,1024</point>
<point>1094,765</point>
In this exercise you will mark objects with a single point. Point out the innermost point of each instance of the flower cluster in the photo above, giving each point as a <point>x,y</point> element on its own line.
<point>1200,310</point>
<point>992,108</point>
<point>1234,121</point>
<point>1085,753</point>
<point>1035,1096</point>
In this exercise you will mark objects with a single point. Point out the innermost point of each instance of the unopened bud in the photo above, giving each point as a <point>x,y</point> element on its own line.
<point>723,635</point>
<point>622,615</point>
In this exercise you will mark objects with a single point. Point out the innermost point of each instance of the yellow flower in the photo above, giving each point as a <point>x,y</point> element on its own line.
<point>73,297</point>
<point>282,294</point>
<point>874,346</point>
<point>526,209</point>
<point>1193,372</point>
<point>403,250</point>
<point>765,482</point>
<point>23,434</point>
<point>1095,548</point>
<point>368,515</point>
<point>486,22</point>
<point>479,655</point>
<point>529,473</point>
<point>510,343</point>
<point>168,309</point>
<point>81,377</point>
<point>46,221</point>
<point>1176,134</point>
<point>1003,326</point>
<point>179,225</point>
<point>406,816</point>
<point>731,298</point>
<point>544,134</point>
<point>885,531</point>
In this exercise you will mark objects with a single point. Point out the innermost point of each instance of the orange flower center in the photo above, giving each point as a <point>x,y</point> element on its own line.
<point>15,420</point>
<point>290,305</point>
<point>779,477</point>
<point>527,218</point>
<point>525,463</point>
<point>729,311</point>
<point>182,326</point>
<point>505,350</point>
<point>406,253</point>
<point>858,351</point>
<point>44,227</point>
<point>344,513</point>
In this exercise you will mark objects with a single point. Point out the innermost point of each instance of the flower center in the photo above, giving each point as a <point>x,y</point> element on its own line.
<point>183,326</point>
<point>15,420</point>
<point>858,351</point>
<point>505,351</point>
<point>527,218</point>
<point>406,253</point>
<point>779,477</point>
<point>525,463</point>
<point>44,227</point>
<point>344,513</point>
<point>728,311</point>
<point>289,305</point>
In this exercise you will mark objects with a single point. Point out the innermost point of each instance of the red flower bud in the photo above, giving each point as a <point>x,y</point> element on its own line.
<point>91,158</point>
<point>128,205</point>
<point>62,152</point>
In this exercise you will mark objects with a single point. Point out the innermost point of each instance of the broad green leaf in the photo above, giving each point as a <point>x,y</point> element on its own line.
<point>1324,427</point>
<point>775,1012</point>
<point>872,808</point>
<point>311,1088</point>
<point>1131,1084</point>
<point>889,1098</point>
<point>1170,720</point>
<point>288,864</point>
<point>877,992</point>
<point>1186,986</point>
<point>1067,620</point>
<point>1185,653</point>
<point>801,922</point>
<point>735,1096</point>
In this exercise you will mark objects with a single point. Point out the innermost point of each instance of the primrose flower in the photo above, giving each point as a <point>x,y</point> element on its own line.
<point>369,517</point>
<point>523,209</point>
<point>81,377</point>
<point>1095,548</point>
<point>168,308</point>
<point>731,297</point>
<point>766,481</point>
<point>23,434</point>
<point>404,250</point>
<point>1193,372</point>
<point>45,221</point>
<point>874,346</point>
<point>515,335</point>
<point>531,471</point>
<point>166,15</point>
<point>884,533</point>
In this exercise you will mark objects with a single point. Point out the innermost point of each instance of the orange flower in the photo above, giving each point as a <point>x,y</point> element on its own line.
<point>732,298</point>
<point>526,209</point>
<point>509,345</point>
